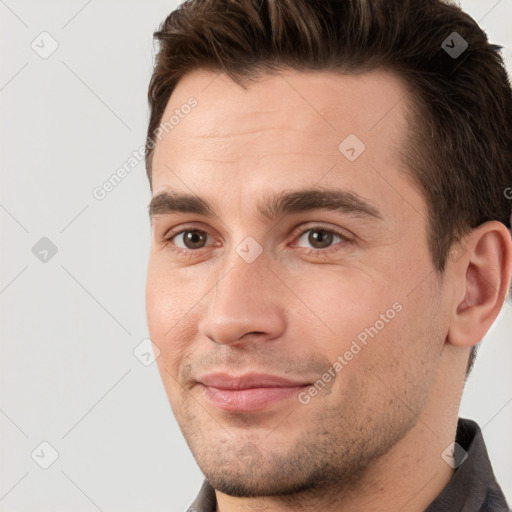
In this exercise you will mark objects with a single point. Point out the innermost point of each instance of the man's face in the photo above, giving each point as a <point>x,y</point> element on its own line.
<point>344,297</point>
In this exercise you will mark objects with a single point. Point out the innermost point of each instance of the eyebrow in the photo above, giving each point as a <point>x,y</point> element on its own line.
<point>273,205</point>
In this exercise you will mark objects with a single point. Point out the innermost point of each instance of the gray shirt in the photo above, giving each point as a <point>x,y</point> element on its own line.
<point>472,488</point>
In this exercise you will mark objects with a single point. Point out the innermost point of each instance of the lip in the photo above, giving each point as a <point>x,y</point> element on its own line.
<point>249,392</point>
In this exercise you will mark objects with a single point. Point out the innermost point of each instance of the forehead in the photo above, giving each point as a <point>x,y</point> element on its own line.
<point>311,110</point>
<point>317,91</point>
<point>285,128</point>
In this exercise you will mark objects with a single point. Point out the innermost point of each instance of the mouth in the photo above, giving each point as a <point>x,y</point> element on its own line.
<point>249,392</point>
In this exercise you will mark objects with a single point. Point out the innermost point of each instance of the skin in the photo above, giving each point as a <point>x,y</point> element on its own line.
<point>372,439</point>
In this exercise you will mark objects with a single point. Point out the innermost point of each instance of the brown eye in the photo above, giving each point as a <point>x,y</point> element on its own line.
<point>321,241</point>
<point>191,239</point>
<point>319,238</point>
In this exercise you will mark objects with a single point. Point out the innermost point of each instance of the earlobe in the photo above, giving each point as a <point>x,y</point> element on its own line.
<point>485,271</point>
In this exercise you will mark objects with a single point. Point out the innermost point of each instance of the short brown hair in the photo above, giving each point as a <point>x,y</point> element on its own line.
<point>459,153</point>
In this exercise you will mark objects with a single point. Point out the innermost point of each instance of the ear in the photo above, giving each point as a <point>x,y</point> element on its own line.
<point>481,282</point>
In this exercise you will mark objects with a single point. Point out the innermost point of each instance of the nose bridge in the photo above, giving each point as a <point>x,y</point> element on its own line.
<point>243,299</point>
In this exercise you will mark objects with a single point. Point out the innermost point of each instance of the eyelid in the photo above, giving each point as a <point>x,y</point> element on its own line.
<point>303,228</point>
<point>185,226</point>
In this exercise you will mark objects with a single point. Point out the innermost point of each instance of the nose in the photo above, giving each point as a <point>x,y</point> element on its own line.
<point>244,304</point>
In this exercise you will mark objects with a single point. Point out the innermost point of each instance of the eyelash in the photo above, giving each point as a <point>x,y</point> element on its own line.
<point>297,234</point>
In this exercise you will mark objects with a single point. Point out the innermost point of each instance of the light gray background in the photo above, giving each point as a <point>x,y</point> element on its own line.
<point>70,325</point>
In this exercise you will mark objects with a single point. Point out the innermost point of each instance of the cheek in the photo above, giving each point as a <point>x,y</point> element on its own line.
<point>166,302</point>
<point>169,311</point>
<point>371,330</point>
<point>345,305</point>
<point>157,306</point>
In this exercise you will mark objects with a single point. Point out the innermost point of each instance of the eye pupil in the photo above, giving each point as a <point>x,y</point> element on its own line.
<point>318,236</point>
<point>193,238</point>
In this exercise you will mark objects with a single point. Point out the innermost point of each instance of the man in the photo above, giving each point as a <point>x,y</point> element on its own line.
<point>330,241</point>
